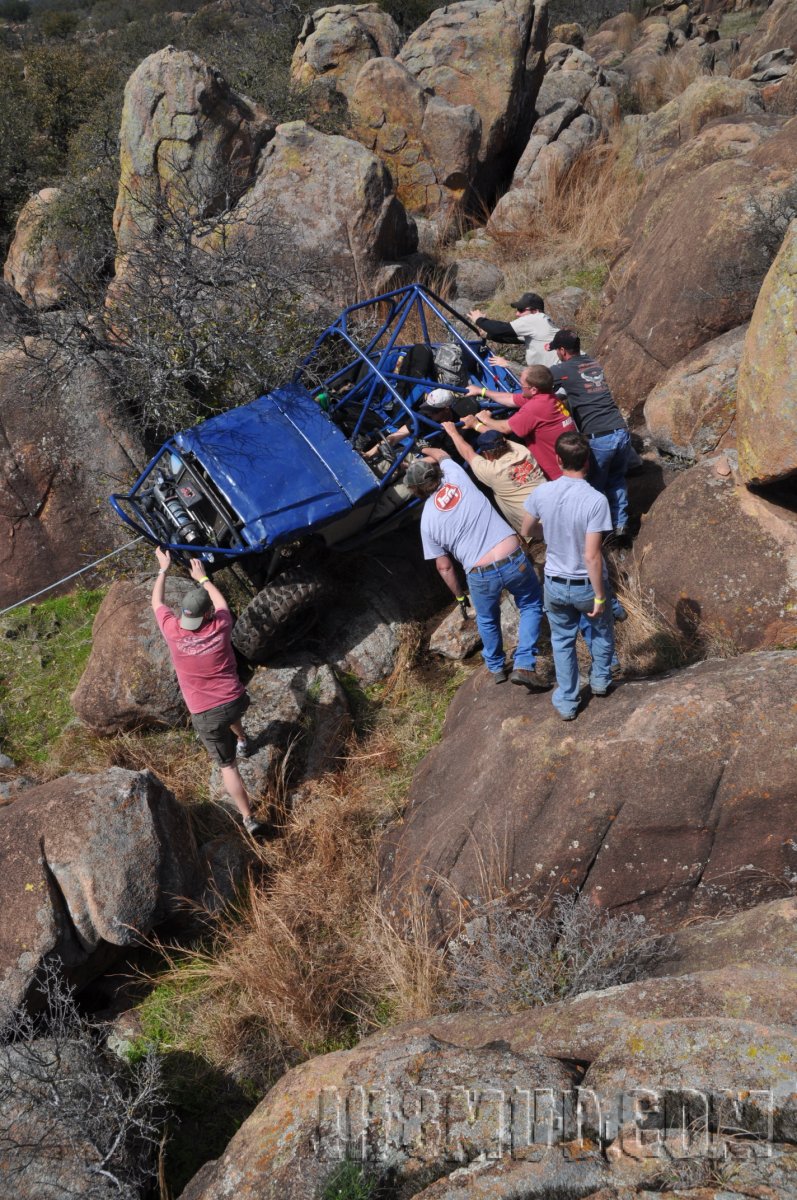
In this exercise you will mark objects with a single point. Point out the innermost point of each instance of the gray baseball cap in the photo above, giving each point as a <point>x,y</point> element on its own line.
<point>422,472</point>
<point>195,607</point>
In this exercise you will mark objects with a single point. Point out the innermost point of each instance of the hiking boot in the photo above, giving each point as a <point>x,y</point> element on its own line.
<point>528,679</point>
<point>253,827</point>
<point>568,716</point>
<point>500,676</point>
<point>601,691</point>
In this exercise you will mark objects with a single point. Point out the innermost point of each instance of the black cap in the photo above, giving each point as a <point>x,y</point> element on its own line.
<point>528,300</point>
<point>565,339</point>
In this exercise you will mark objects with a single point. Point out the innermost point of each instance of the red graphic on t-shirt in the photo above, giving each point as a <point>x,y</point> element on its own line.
<point>447,497</point>
<point>521,472</point>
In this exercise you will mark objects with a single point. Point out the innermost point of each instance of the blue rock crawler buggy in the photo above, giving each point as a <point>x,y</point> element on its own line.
<point>265,484</point>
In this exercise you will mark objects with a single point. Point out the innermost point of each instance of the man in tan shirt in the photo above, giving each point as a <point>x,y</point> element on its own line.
<point>504,466</point>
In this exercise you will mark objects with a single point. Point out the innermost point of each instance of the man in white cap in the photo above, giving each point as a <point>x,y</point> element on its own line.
<point>200,646</point>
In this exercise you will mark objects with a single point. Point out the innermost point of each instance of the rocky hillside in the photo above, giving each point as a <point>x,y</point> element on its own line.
<point>479,953</point>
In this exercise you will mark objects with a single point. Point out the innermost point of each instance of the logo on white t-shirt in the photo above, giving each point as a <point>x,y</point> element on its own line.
<point>447,497</point>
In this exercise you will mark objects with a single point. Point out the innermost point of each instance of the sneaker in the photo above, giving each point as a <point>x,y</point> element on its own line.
<point>600,691</point>
<point>568,716</point>
<point>242,748</point>
<point>528,679</point>
<point>253,827</point>
<point>500,676</point>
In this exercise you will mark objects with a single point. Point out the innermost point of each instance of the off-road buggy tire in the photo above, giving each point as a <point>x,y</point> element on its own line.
<point>277,614</point>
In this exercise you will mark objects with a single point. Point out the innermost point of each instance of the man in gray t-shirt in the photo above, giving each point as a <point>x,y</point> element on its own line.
<point>458,522</point>
<point>572,517</point>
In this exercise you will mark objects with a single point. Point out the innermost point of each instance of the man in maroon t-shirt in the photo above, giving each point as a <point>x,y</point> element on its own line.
<point>541,417</point>
<point>201,650</point>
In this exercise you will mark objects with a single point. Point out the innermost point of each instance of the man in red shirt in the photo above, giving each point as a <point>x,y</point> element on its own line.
<point>541,417</point>
<point>201,650</point>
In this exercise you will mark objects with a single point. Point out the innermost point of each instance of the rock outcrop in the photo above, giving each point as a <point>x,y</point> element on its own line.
<point>707,99</point>
<point>60,456</point>
<point>706,230</point>
<point>38,260</point>
<point>187,140</point>
<point>336,42</point>
<point>487,54</point>
<point>693,408</point>
<point>729,1031</point>
<point>430,146</point>
<point>767,400</point>
<point>336,202</point>
<point>129,681</point>
<point>719,560</point>
<point>777,27</point>
<point>89,863</point>
<point>671,796</point>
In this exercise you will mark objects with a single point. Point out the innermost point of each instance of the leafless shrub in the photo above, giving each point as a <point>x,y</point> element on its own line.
<point>510,958</point>
<point>71,1121</point>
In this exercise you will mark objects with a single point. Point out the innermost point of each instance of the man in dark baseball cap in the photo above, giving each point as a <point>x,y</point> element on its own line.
<point>505,466</point>
<point>531,326</point>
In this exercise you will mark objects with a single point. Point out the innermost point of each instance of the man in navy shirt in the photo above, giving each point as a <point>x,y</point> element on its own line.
<point>458,522</point>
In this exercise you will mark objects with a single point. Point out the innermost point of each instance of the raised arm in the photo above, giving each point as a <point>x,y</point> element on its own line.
<point>199,576</point>
<point>464,448</point>
<point>506,399</point>
<point>159,586</point>
<point>496,331</point>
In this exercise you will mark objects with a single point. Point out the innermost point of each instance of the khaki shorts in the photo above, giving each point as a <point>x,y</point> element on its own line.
<point>213,729</point>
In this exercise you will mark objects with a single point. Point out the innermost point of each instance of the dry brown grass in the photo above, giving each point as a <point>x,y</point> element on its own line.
<point>309,961</point>
<point>671,76</point>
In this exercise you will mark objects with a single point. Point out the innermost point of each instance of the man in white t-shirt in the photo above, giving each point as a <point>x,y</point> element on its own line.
<point>572,517</point>
<point>531,325</point>
<point>458,522</point>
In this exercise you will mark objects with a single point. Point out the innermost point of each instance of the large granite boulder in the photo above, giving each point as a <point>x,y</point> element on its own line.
<point>336,42</point>
<point>705,232</point>
<point>407,1104</point>
<point>129,681</point>
<point>39,258</point>
<point>767,400</point>
<point>430,145</point>
<point>61,453</point>
<point>693,408</point>
<point>487,54</point>
<point>669,798</point>
<point>337,202</point>
<point>397,1099</point>
<point>777,27</point>
<point>187,140</point>
<point>719,560</point>
<point>707,99</point>
<point>89,863</point>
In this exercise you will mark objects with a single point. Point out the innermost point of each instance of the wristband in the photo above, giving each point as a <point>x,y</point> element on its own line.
<point>484,392</point>
<point>459,599</point>
<point>601,601</point>
<point>204,579</point>
<point>163,570</point>
<point>480,426</point>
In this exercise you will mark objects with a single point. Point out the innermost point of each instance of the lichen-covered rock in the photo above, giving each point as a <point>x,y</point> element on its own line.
<point>767,388</point>
<point>39,258</point>
<point>477,278</point>
<point>706,229</point>
<point>487,54</point>
<point>694,406</point>
<point>129,681</point>
<point>337,202</point>
<point>336,42</point>
<point>719,559</point>
<point>60,456</point>
<point>291,1144</point>
<point>777,27</point>
<point>430,146</point>
<point>187,139</point>
<point>705,100</point>
<point>89,863</point>
<point>672,795</point>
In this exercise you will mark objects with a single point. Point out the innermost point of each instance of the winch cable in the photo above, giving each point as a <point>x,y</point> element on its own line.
<point>74,575</point>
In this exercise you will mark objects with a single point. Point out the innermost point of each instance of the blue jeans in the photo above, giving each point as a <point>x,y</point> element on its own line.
<point>587,626</point>
<point>608,463</point>
<point>516,574</point>
<point>565,603</point>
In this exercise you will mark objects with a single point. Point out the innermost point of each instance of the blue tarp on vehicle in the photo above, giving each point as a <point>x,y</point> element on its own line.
<point>282,464</point>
